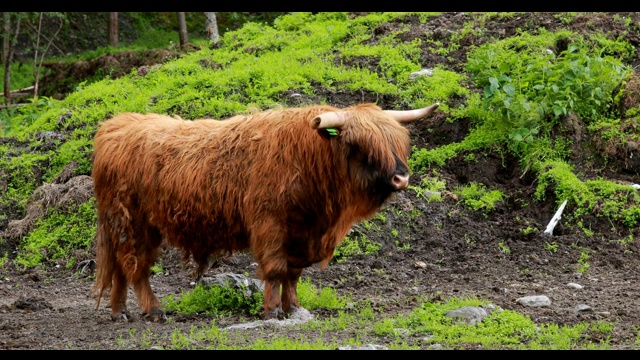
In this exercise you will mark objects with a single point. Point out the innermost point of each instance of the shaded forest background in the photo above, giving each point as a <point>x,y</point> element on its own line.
<point>39,48</point>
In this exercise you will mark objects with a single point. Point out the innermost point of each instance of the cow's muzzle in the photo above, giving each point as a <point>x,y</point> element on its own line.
<point>400,181</point>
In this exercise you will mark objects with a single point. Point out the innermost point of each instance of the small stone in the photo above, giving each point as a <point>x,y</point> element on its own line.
<point>583,308</point>
<point>575,286</point>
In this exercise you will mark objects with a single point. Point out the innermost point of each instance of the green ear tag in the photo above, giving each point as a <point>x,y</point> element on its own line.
<point>332,131</point>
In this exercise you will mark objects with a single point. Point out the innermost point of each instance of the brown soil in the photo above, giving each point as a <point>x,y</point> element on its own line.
<point>464,253</point>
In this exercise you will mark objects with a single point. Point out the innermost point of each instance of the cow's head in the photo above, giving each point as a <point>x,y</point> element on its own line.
<point>374,142</point>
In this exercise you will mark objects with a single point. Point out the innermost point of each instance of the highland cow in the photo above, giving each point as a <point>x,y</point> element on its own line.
<point>285,184</point>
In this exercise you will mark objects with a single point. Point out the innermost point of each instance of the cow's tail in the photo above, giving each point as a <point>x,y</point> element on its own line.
<point>105,259</point>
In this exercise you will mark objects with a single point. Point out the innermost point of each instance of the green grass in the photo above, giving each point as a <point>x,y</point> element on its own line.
<point>427,324</point>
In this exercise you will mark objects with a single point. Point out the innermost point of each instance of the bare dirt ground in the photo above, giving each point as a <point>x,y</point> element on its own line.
<point>464,253</point>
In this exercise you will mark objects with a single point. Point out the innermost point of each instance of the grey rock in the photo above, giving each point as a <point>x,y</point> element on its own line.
<point>470,315</point>
<point>534,301</point>
<point>237,281</point>
<point>300,316</point>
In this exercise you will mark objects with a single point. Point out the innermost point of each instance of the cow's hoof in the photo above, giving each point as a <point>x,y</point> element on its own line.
<point>123,317</point>
<point>276,313</point>
<point>156,315</point>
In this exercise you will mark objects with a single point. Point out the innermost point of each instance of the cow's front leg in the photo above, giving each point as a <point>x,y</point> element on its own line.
<point>290,304</point>
<point>267,237</point>
<point>290,290</point>
<point>271,305</point>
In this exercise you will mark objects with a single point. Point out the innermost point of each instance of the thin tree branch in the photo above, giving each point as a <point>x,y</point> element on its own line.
<point>47,39</point>
<point>39,65</point>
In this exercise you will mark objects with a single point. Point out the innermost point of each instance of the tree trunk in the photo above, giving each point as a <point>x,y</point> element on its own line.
<point>36,69</point>
<point>113,29</point>
<point>184,36</point>
<point>211,27</point>
<point>6,29</point>
<point>8,56</point>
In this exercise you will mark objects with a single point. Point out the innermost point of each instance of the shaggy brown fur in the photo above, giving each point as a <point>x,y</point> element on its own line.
<point>266,182</point>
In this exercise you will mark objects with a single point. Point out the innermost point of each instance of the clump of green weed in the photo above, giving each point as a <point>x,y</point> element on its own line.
<point>354,245</point>
<point>551,247</point>
<point>157,267</point>
<point>476,196</point>
<point>214,300</point>
<point>326,298</point>
<point>430,188</point>
<point>583,262</point>
<point>3,259</point>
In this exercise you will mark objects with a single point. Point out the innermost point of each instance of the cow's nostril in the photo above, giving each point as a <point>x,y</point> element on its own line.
<point>400,182</point>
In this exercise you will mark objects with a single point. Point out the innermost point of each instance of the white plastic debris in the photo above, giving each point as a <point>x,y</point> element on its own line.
<point>555,219</point>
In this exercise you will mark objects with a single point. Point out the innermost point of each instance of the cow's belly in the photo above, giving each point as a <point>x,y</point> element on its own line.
<point>299,263</point>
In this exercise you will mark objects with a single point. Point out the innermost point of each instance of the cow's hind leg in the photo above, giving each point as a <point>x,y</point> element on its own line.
<point>118,298</point>
<point>290,304</point>
<point>147,252</point>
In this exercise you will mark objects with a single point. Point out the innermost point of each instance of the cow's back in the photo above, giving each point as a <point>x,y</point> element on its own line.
<point>154,171</point>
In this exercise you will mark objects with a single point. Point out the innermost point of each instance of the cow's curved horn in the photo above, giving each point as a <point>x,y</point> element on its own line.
<point>405,116</point>
<point>331,119</point>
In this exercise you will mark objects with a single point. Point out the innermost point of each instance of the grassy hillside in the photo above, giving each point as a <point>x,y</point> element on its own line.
<point>528,88</point>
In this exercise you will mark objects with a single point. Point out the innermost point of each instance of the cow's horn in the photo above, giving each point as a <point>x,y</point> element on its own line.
<point>411,115</point>
<point>332,119</point>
